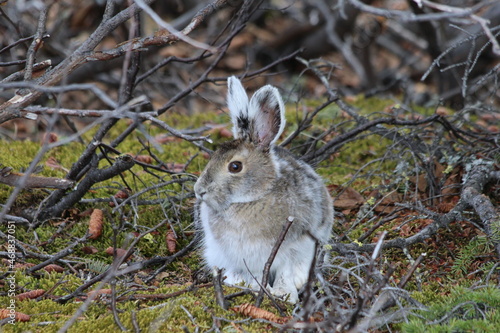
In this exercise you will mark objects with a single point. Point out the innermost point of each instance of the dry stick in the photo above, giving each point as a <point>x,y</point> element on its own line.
<point>130,66</point>
<point>391,302</point>
<point>157,297</point>
<point>172,31</point>
<point>135,324</point>
<point>113,306</point>
<point>20,74</point>
<point>485,210</point>
<point>23,179</point>
<point>383,221</point>
<point>204,78</point>
<point>35,44</point>
<point>273,300</point>
<point>308,289</point>
<point>88,113</point>
<point>482,21</point>
<point>53,258</point>
<point>13,179</point>
<point>19,41</point>
<point>267,266</point>
<point>408,275</point>
<point>332,145</point>
<point>368,293</point>
<point>122,163</point>
<point>219,292</point>
<point>407,16</point>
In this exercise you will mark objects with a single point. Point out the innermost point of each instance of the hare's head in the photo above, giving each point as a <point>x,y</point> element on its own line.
<point>242,170</point>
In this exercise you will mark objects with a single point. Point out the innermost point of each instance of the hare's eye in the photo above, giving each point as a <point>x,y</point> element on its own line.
<point>235,166</point>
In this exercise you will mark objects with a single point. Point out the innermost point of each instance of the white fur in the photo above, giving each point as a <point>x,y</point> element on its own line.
<point>237,102</point>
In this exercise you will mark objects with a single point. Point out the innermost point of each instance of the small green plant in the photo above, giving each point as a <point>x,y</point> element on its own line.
<point>464,310</point>
<point>478,246</point>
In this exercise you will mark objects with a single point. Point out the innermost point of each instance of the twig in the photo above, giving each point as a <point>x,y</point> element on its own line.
<point>177,34</point>
<point>267,266</point>
<point>122,163</point>
<point>135,324</point>
<point>55,257</point>
<point>466,11</point>
<point>113,306</point>
<point>19,75</point>
<point>410,17</point>
<point>36,43</point>
<point>14,179</point>
<point>219,293</point>
<point>308,289</point>
<point>189,289</point>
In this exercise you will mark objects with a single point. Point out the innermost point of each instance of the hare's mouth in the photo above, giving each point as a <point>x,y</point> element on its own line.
<point>199,196</point>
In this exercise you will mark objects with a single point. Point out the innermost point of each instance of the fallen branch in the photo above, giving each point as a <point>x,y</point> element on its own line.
<point>122,163</point>
<point>13,179</point>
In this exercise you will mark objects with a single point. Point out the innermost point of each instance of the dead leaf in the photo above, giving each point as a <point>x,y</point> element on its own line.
<point>442,111</point>
<point>89,250</point>
<point>349,198</point>
<point>234,61</point>
<point>121,194</point>
<point>144,159</point>
<point>420,181</point>
<point>120,253</point>
<point>385,203</point>
<point>452,185</point>
<point>445,207</point>
<point>50,137</point>
<point>242,39</point>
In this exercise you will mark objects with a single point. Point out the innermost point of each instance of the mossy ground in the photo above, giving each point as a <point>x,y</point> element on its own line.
<point>361,161</point>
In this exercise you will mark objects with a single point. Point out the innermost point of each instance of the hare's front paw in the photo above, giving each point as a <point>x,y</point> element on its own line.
<point>291,295</point>
<point>233,278</point>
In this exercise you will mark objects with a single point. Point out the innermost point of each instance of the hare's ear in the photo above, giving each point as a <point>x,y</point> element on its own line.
<point>237,102</point>
<point>267,112</point>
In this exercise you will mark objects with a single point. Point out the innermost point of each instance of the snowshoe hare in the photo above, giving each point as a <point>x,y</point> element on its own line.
<point>250,188</point>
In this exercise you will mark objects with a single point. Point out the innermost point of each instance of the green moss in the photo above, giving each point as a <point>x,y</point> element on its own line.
<point>463,310</point>
<point>196,309</point>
